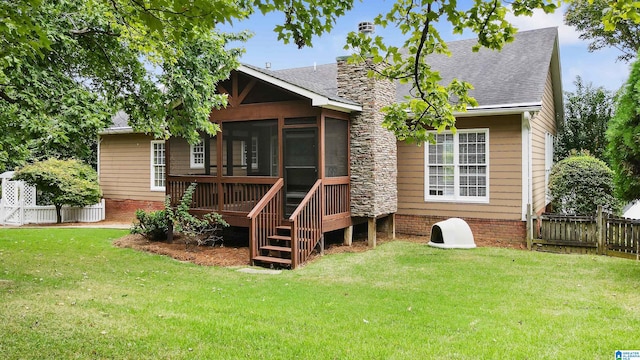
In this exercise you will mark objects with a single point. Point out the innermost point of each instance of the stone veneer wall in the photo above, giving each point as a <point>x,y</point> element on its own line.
<point>373,149</point>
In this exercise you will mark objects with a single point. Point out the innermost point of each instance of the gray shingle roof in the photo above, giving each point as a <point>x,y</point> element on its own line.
<point>319,79</point>
<point>515,75</point>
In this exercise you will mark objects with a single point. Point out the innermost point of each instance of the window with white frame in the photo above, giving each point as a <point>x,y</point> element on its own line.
<point>197,155</point>
<point>254,153</point>
<point>158,168</point>
<point>549,141</point>
<point>457,166</point>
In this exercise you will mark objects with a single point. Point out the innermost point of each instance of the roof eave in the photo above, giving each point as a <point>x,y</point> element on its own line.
<point>117,130</point>
<point>316,99</point>
<point>501,109</point>
<point>339,106</point>
<point>556,79</point>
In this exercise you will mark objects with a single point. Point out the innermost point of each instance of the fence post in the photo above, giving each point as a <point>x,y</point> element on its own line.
<point>600,227</point>
<point>529,227</point>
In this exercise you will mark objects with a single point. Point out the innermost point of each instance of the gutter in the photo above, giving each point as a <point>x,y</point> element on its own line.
<point>117,130</point>
<point>505,109</point>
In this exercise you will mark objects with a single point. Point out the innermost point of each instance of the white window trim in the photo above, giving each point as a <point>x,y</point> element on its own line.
<point>192,158</point>
<point>549,146</point>
<point>153,165</point>
<point>456,198</point>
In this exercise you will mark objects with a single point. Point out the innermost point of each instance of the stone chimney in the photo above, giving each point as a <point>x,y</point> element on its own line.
<point>373,148</point>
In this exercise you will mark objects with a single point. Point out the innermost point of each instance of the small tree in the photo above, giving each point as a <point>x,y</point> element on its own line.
<point>63,182</point>
<point>579,183</point>
<point>587,112</point>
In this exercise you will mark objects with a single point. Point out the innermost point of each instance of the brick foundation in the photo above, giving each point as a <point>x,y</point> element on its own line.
<point>124,210</point>
<point>486,232</point>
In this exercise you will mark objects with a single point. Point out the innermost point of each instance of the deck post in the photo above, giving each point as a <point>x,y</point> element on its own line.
<point>371,232</point>
<point>348,236</point>
<point>600,226</point>
<point>391,226</point>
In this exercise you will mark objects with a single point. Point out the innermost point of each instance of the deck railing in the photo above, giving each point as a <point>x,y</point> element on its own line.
<point>265,217</point>
<point>337,193</point>
<point>239,194</point>
<point>306,225</point>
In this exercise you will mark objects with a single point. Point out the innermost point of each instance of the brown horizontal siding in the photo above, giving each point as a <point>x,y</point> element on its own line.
<point>542,123</point>
<point>125,166</point>
<point>505,179</point>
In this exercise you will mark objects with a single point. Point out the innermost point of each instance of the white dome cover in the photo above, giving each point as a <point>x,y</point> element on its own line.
<point>452,233</point>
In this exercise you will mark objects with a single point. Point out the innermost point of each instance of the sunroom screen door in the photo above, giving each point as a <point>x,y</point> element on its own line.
<point>300,165</point>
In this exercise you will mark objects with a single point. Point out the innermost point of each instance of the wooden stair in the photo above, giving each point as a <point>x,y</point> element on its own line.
<point>278,251</point>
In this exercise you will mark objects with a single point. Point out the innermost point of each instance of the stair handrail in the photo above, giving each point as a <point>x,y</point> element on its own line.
<point>253,214</point>
<point>295,218</point>
<point>265,199</point>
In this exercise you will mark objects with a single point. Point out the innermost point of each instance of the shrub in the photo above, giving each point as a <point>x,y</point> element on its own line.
<point>195,230</point>
<point>579,183</point>
<point>153,225</point>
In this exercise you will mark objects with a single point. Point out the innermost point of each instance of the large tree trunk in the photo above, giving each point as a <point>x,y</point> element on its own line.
<point>58,213</point>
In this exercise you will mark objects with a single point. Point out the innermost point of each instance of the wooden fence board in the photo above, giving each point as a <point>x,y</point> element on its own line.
<point>581,234</point>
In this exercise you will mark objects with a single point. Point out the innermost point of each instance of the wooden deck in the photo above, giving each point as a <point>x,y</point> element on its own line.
<point>258,204</point>
<point>235,196</point>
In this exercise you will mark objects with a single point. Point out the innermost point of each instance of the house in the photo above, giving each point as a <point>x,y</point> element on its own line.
<point>302,152</point>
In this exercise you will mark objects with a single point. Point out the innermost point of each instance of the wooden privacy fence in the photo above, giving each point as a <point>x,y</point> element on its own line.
<point>602,234</point>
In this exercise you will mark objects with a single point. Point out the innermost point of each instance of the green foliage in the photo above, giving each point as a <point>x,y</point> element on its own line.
<point>624,138</point>
<point>66,66</point>
<point>586,16</point>
<point>618,11</point>
<point>587,112</point>
<point>580,183</point>
<point>432,104</point>
<point>64,182</point>
<point>195,230</point>
<point>153,225</point>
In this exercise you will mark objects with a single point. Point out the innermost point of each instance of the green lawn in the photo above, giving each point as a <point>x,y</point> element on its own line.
<point>68,293</point>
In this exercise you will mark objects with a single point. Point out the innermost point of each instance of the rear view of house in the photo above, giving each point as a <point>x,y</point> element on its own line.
<point>302,152</point>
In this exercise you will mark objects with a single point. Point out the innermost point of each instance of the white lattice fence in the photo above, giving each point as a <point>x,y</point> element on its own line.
<point>18,207</point>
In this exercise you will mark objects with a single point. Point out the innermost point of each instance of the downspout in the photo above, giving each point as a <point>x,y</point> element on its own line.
<point>98,158</point>
<point>527,196</point>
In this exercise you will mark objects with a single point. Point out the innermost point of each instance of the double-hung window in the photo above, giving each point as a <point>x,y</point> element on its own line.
<point>457,167</point>
<point>158,168</point>
<point>197,155</point>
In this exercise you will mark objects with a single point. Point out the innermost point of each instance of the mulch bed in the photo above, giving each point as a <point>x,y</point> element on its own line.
<point>232,255</point>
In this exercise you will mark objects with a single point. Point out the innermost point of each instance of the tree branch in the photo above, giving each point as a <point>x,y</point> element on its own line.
<point>6,98</point>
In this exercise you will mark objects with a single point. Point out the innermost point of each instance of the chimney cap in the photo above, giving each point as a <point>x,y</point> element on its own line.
<point>366,27</point>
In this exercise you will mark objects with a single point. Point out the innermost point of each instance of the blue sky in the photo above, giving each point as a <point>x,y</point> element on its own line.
<point>599,68</point>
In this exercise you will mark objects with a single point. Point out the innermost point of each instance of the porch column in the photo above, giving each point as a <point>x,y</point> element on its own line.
<point>207,154</point>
